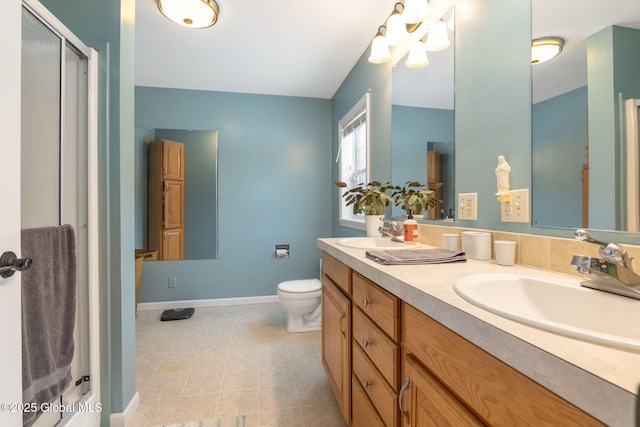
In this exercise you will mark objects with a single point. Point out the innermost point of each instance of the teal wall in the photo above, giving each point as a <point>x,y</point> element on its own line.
<point>559,151</point>
<point>274,187</point>
<point>412,129</point>
<point>377,79</point>
<point>492,101</point>
<point>107,26</point>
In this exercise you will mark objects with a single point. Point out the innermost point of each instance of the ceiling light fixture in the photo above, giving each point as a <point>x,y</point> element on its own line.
<point>380,48</point>
<point>545,48</point>
<point>396,27</point>
<point>415,11</point>
<point>437,38</point>
<point>190,13</point>
<point>417,57</point>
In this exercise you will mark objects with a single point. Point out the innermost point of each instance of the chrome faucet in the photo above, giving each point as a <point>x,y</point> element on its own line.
<point>393,230</point>
<point>612,272</point>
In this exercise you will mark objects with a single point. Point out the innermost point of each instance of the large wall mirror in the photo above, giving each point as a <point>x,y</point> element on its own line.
<point>200,189</point>
<point>585,129</point>
<point>423,122</point>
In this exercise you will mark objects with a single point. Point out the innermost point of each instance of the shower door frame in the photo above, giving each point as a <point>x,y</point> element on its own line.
<point>89,406</point>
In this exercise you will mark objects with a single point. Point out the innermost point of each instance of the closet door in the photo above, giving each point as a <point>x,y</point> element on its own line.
<point>172,160</point>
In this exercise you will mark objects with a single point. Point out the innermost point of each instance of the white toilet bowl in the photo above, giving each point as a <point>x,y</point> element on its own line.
<point>301,299</point>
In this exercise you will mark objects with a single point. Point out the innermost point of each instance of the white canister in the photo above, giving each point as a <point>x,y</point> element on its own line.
<point>477,245</point>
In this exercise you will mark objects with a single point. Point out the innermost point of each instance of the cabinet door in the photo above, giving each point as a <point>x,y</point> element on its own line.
<point>173,244</point>
<point>425,402</point>
<point>173,204</point>
<point>336,344</point>
<point>172,160</point>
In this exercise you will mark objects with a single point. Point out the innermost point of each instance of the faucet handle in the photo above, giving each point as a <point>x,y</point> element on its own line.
<point>615,253</point>
<point>583,235</point>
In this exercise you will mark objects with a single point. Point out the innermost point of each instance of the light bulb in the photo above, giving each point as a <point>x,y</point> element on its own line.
<point>437,39</point>
<point>417,57</point>
<point>415,11</point>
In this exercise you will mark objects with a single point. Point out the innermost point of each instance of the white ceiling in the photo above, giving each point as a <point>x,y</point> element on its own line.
<point>307,48</point>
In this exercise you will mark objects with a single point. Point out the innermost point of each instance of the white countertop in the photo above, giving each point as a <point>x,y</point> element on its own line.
<point>600,380</point>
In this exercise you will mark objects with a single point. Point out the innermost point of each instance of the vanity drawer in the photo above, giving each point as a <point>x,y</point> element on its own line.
<point>381,306</point>
<point>337,272</point>
<point>383,352</point>
<point>363,414</point>
<point>381,395</point>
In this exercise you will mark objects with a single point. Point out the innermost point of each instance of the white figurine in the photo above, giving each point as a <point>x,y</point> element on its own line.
<point>502,173</point>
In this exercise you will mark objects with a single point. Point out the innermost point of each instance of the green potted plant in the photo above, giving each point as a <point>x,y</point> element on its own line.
<point>370,199</point>
<point>414,197</point>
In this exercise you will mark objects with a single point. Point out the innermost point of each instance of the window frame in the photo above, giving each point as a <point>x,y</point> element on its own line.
<point>346,217</point>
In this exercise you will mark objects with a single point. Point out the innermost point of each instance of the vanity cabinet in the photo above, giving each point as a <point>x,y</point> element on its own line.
<point>166,199</point>
<point>389,365</point>
<point>336,330</point>
<point>375,349</point>
<point>466,382</point>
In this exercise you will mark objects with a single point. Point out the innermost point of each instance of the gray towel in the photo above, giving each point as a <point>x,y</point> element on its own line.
<point>416,256</point>
<point>48,314</point>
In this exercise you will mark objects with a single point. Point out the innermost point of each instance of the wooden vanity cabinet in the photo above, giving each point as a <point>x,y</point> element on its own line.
<point>166,199</point>
<point>372,342</point>
<point>375,350</point>
<point>470,382</point>
<point>336,331</point>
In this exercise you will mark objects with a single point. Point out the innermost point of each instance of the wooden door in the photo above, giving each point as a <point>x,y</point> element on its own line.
<point>172,160</point>
<point>173,244</point>
<point>173,204</point>
<point>426,402</point>
<point>336,344</point>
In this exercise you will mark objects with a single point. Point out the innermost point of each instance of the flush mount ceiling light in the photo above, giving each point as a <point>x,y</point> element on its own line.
<point>190,13</point>
<point>545,48</point>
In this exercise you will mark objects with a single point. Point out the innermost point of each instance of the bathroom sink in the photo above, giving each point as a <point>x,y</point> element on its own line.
<point>380,243</point>
<point>563,307</point>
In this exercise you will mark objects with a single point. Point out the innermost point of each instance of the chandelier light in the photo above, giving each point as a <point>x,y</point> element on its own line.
<point>415,11</point>
<point>545,48</point>
<point>379,48</point>
<point>396,28</point>
<point>417,57</point>
<point>438,39</point>
<point>190,13</point>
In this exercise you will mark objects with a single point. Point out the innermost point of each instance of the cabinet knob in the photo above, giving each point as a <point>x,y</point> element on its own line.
<point>365,302</point>
<point>365,384</point>
<point>365,343</point>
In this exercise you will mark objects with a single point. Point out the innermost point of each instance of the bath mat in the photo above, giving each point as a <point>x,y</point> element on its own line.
<point>238,421</point>
<point>177,314</point>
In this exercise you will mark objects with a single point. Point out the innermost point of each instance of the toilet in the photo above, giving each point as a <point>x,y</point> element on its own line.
<point>302,301</point>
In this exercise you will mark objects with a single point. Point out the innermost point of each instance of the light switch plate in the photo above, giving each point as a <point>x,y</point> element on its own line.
<point>468,206</point>
<point>516,210</point>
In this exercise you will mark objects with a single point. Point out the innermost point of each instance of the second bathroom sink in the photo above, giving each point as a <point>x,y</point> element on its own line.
<point>563,307</point>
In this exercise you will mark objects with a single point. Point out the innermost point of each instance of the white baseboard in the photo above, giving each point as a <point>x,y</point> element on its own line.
<point>121,419</point>
<point>167,305</point>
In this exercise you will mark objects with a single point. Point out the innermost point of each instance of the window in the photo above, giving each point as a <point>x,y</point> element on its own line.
<point>353,132</point>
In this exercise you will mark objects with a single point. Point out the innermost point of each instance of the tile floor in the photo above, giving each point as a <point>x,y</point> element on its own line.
<point>229,361</point>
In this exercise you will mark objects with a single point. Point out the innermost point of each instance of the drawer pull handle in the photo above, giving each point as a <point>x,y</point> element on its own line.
<point>365,302</point>
<point>365,343</point>
<point>405,385</point>
<point>365,384</point>
<point>342,316</point>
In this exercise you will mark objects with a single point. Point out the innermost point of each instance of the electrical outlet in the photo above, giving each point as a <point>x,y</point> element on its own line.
<point>516,210</point>
<point>172,282</point>
<point>468,206</point>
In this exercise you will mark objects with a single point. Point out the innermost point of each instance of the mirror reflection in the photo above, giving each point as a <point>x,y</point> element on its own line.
<point>423,127</point>
<point>178,226</point>
<point>585,135</point>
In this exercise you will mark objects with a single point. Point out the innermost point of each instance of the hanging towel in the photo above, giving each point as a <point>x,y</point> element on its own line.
<point>416,256</point>
<point>48,315</point>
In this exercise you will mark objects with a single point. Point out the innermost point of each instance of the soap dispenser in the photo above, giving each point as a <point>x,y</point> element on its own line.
<point>410,228</point>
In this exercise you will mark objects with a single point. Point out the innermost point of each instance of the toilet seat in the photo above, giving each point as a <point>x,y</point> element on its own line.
<point>300,286</point>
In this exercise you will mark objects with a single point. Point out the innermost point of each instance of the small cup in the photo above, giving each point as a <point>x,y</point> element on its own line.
<point>451,241</point>
<point>505,252</point>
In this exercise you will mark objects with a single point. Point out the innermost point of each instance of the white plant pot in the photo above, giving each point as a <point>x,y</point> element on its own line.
<point>373,225</point>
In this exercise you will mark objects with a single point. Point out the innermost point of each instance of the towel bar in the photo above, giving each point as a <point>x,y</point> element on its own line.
<point>10,263</point>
